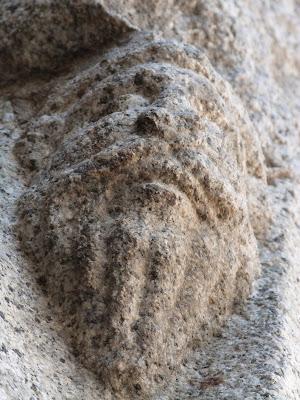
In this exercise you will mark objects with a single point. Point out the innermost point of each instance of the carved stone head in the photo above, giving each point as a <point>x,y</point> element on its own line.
<point>137,217</point>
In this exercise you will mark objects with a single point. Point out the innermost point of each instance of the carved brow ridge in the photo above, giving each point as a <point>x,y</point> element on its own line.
<point>163,102</point>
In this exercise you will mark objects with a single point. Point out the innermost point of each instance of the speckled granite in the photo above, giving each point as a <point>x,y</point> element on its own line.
<point>138,193</point>
<point>35,362</point>
<point>55,120</point>
<point>257,354</point>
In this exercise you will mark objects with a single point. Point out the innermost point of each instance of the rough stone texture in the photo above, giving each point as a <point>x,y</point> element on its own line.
<point>38,35</point>
<point>141,202</point>
<point>135,172</point>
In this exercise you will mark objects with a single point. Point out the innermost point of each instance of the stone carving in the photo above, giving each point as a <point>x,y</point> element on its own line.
<point>135,179</point>
<point>137,217</point>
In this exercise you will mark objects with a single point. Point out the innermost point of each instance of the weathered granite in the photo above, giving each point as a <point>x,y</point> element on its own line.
<point>138,194</point>
<point>140,178</point>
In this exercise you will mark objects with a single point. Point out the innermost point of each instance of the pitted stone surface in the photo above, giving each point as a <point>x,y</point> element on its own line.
<point>139,197</point>
<point>38,35</point>
<point>139,177</point>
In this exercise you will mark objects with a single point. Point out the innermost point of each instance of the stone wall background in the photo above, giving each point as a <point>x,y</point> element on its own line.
<point>254,46</point>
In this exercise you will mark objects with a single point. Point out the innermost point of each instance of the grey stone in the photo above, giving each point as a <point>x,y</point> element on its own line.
<point>146,183</point>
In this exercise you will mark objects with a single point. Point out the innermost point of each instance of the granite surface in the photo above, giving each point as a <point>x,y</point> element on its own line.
<point>149,181</point>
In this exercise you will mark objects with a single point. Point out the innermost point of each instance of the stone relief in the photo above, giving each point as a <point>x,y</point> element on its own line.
<point>137,217</point>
